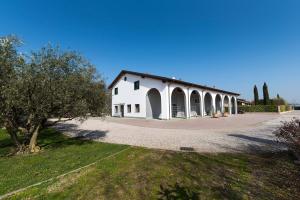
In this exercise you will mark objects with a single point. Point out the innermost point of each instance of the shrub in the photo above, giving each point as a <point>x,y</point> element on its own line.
<point>259,108</point>
<point>289,133</point>
<point>284,108</point>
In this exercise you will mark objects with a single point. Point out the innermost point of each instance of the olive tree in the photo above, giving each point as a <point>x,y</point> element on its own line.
<point>50,84</point>
<point>10,106</point>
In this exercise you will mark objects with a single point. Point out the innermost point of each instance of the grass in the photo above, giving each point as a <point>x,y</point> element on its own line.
<point>140,173</point>
<point>59,155</point>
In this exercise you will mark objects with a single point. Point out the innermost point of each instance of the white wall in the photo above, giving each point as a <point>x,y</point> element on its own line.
<point>127,95</point>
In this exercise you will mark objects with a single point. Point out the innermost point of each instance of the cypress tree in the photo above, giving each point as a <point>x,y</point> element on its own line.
<point>256,98</point>
<point>266,94</point>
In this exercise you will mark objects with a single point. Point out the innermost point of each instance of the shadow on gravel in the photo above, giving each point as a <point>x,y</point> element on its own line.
<point>250,144</point>
<point>73,131</point>
<point>253,139</point>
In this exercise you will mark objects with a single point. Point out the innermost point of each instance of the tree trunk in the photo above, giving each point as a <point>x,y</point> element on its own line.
<point>33,140</point>
<point>14,138</point>
<point>12,131</point>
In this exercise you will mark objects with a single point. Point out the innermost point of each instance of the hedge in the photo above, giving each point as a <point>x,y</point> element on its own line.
<point>259,108</point>
<point>284,108</point>
<point>265,108</point>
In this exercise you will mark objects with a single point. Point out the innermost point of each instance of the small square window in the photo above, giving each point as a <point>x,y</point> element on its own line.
<point>137,108</point>
<point>136,85</point>
<point>125,78</point>
<point>116,109</point>
<point>116,91</point>
<point>128,108</point>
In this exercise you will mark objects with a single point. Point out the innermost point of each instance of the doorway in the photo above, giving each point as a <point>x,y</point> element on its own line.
<point>122,111</point>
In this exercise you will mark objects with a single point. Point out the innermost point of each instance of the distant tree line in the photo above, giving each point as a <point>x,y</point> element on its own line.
<point>266,98</point>
<point>48,83</point>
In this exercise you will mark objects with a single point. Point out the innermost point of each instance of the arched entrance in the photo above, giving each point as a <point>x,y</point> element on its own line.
<point>208,105</point>
<point>178,103</point>
<point>233,109</point>
<point>218,102</point>
<point>226,104</point>
<point>195,103</point>
<point>153,104</point>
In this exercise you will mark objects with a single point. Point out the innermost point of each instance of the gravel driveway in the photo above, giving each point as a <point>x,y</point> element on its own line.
<point>241,133</point>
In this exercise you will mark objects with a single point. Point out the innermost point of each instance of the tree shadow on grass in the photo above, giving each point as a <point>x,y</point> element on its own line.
<point>236,176</point>
<point>177,191</point>
<point>53,138</point>
<point>6,145</point>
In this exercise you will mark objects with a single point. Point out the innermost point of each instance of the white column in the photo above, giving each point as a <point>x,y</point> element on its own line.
<point>213,97</point>
<point>229,105</point>
<point>170,101</point>
<point>167,104</point>
<point>187,103</point>
<point>222,103</point>
<point>236,108</point>
<point>202,103</point>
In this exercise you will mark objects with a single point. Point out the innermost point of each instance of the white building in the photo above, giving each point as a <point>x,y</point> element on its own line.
<point>143,95</point>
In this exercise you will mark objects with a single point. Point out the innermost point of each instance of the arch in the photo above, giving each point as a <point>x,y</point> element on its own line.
<point>208,104</point>
<point>195,104</point>
<point>218,103</point>
<point>226,104</point>
<point>153,104</point>
<point>233,109</point>
<point>178,103</point>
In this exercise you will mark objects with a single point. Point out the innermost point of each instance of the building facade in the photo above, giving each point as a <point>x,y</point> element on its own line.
<point>142,95</point>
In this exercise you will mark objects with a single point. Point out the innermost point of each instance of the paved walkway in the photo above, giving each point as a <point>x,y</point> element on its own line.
<point>240,133</point>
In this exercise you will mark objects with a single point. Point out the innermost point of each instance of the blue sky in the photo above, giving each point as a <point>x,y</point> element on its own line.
<point>230,44</point>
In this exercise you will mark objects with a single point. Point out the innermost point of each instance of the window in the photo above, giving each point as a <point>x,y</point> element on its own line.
<point>116,109</point>
<point>137,108</point>
<point>128,108</point>
<point>125,78</point>
<point>116,91</point>
<point>136,85</point>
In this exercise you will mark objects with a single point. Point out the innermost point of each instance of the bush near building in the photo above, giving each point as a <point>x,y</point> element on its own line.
<point>259,108</point>
<point>265,108</point>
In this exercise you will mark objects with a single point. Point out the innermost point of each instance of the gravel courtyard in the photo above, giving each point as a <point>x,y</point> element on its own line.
<point>240,133</point>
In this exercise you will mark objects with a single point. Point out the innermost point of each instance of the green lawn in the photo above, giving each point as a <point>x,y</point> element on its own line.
<point>139,173</point>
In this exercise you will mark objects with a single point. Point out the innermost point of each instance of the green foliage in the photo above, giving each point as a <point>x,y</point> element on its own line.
<point>284,108</point>
<point>266,94</point>
<point>278,102</point>
<point>51,83</point>
<point>265,108</point>
<point>259,108</point>
<point>256,98</point>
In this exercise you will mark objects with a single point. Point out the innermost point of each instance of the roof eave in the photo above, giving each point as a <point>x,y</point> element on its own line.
<point>167,80</point>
